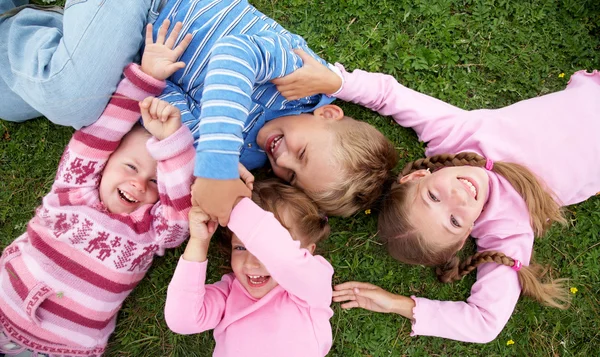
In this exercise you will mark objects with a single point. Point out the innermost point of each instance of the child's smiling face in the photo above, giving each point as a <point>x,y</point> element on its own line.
<point>129,178</point>
<point>300,147</point>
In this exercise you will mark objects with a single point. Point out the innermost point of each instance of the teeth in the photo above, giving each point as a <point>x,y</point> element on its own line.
<point>274,142</point>
<point>127,197</point>
<point>471,187</point>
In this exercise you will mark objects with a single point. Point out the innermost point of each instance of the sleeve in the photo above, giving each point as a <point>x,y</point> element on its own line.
<point>174,95</point>
<point>89,148</point>
<point>492,301</point>
<point>175,157</point>
<point>237,64</point>
<point>432,119</point>
<point>301,274</point>
<point>192,306</point>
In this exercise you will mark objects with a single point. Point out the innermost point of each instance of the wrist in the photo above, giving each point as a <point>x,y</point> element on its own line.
<point>403,305</point>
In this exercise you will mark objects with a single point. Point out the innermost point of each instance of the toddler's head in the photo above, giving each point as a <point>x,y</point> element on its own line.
<point>341,163</point>
<point>129,177</point>
<point>296,212</point>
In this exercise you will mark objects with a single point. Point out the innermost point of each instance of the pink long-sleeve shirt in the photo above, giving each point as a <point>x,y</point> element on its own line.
<point>291,320</point>
<point>63,281</point>
<point>555,136</point>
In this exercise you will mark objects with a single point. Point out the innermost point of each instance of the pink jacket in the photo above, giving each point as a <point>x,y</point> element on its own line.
<point>63,281</point>
<point>291,320</point>
<point>555,136</point>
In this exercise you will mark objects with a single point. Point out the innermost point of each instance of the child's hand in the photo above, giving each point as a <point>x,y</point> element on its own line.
<point>201,230</point>
<point>201,227</point>
<point>160,58</point>
<point>161,119</point>
<point>217,197</point>
<point>313,78</point>
<point>246,176</point>
<point>365,295</point>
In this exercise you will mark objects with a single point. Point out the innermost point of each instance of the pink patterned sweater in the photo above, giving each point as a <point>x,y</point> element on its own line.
<point>63,281</point>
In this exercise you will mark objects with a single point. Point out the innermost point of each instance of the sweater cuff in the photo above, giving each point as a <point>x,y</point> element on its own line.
<point>143,81</point>
<point>414,318</point>
<point>337,71</point>
<point>245,217</point>
<point>189,276</point>
<point>171,146</point>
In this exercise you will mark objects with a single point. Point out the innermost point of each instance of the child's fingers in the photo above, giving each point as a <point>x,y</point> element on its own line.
<point>174,67</point>
<point>350,305</point>
<point>149,38</point>
<point>353,284</point>
<point>197,215</point>
<point>212,226</point>
<point>154,108</point>
<point>173,35</point>
<point>167,112</point>
<point>345,297</point>
<point>162,32</point>
<point>183,45</point>
<point>305,57</point>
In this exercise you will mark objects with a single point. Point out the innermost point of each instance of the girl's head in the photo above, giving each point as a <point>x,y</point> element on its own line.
<point>296,212</point>
<point>339,162</point>
<point>427,217</point>
<point>129,177</point>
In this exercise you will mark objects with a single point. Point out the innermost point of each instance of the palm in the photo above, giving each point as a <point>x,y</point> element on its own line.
<point>160,58</point>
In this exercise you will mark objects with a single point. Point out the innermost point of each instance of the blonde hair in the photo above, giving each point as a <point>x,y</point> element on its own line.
<point>367,158</point>
<point>406,244</point>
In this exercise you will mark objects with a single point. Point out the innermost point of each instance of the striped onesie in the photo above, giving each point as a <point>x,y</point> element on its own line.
<point>224,92</point>
<point>63,281</point>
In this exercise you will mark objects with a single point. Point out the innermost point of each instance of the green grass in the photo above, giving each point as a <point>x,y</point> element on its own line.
<point>472,54</point>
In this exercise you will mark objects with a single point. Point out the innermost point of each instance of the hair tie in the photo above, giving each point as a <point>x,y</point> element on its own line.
<point>326,219</point>
<point>489,164</point>
<point>517,265</point>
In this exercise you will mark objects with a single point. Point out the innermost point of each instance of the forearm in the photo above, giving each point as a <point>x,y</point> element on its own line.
<point>196,250</point>
<point>403,306</point>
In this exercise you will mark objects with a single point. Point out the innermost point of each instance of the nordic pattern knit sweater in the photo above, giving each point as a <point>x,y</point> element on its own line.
<point>63,281</point>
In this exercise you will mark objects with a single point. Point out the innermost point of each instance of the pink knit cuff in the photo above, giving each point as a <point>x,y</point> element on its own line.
<point>172,146</point>
<point>143,81</point>
<point>414,319</point>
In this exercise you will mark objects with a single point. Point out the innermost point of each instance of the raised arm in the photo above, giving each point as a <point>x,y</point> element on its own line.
<point>301,274</point>
<point>90,147</point>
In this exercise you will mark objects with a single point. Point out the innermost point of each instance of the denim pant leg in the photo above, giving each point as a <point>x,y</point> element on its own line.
<point>67,66</point>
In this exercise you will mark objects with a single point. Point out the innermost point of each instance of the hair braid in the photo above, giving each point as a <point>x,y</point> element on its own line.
<point>552,293</point>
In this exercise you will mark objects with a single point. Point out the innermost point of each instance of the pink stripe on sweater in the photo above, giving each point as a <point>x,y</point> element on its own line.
<point>143,81</point>
<point>95,142</point>
<point>70,315</point>
<point>16,283</point>
<point>76,269</point>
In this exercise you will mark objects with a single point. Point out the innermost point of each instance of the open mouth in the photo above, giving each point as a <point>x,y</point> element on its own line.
<point>126,197</point>
<point>256,281</point>
<point>470,186</point>
<point>273,144</point>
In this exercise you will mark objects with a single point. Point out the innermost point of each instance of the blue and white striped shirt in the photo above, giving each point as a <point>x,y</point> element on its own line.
<point>224,92</point>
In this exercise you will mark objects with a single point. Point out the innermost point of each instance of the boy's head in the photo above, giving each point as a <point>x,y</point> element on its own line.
<point>129,177</point>
<point>341,163</point>
<point>296,212</point>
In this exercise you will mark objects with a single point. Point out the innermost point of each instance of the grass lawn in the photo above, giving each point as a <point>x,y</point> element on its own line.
<point>471,53</point>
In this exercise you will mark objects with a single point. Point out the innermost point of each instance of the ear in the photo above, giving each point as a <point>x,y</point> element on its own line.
<point>413,176</point>
<point>311,248</point>
<point>329,111</point>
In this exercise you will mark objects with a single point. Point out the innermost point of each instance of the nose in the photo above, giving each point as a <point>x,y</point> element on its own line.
<point>251,262</point>
<point>458,196</point>
<point>139,184</point>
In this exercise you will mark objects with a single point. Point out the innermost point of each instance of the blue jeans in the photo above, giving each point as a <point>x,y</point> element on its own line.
<point>65,67</point>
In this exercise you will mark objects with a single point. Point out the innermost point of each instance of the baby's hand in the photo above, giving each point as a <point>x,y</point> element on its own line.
<point>312,78</point>
<point>160,58</point>
<point>161,119</point>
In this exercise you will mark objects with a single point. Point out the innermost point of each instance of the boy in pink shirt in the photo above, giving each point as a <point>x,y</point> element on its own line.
<point>276,301</point>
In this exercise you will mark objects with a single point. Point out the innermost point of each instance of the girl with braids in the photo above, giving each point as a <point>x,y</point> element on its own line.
<point>498,175</point>
<point>276,301</point>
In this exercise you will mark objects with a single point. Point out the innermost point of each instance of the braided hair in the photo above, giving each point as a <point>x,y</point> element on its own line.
<point>406,244</point>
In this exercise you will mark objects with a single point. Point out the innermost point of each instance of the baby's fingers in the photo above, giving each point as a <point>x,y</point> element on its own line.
<point>162,32</point>
<point>183,45</point>
<point>173,35</point>
<point>149,38</point>
<point>154,108</point>
<point>166,111</point>
<point>144,106</point>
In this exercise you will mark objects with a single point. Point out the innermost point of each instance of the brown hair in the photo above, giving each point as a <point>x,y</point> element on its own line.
<point>274,195</point>
<point>406,244</point>
<point>368,158</point>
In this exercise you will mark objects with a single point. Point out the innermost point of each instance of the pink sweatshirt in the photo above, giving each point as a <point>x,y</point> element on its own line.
<point>291,320</point>
<point>63,281</point>
<point>555,136</point>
